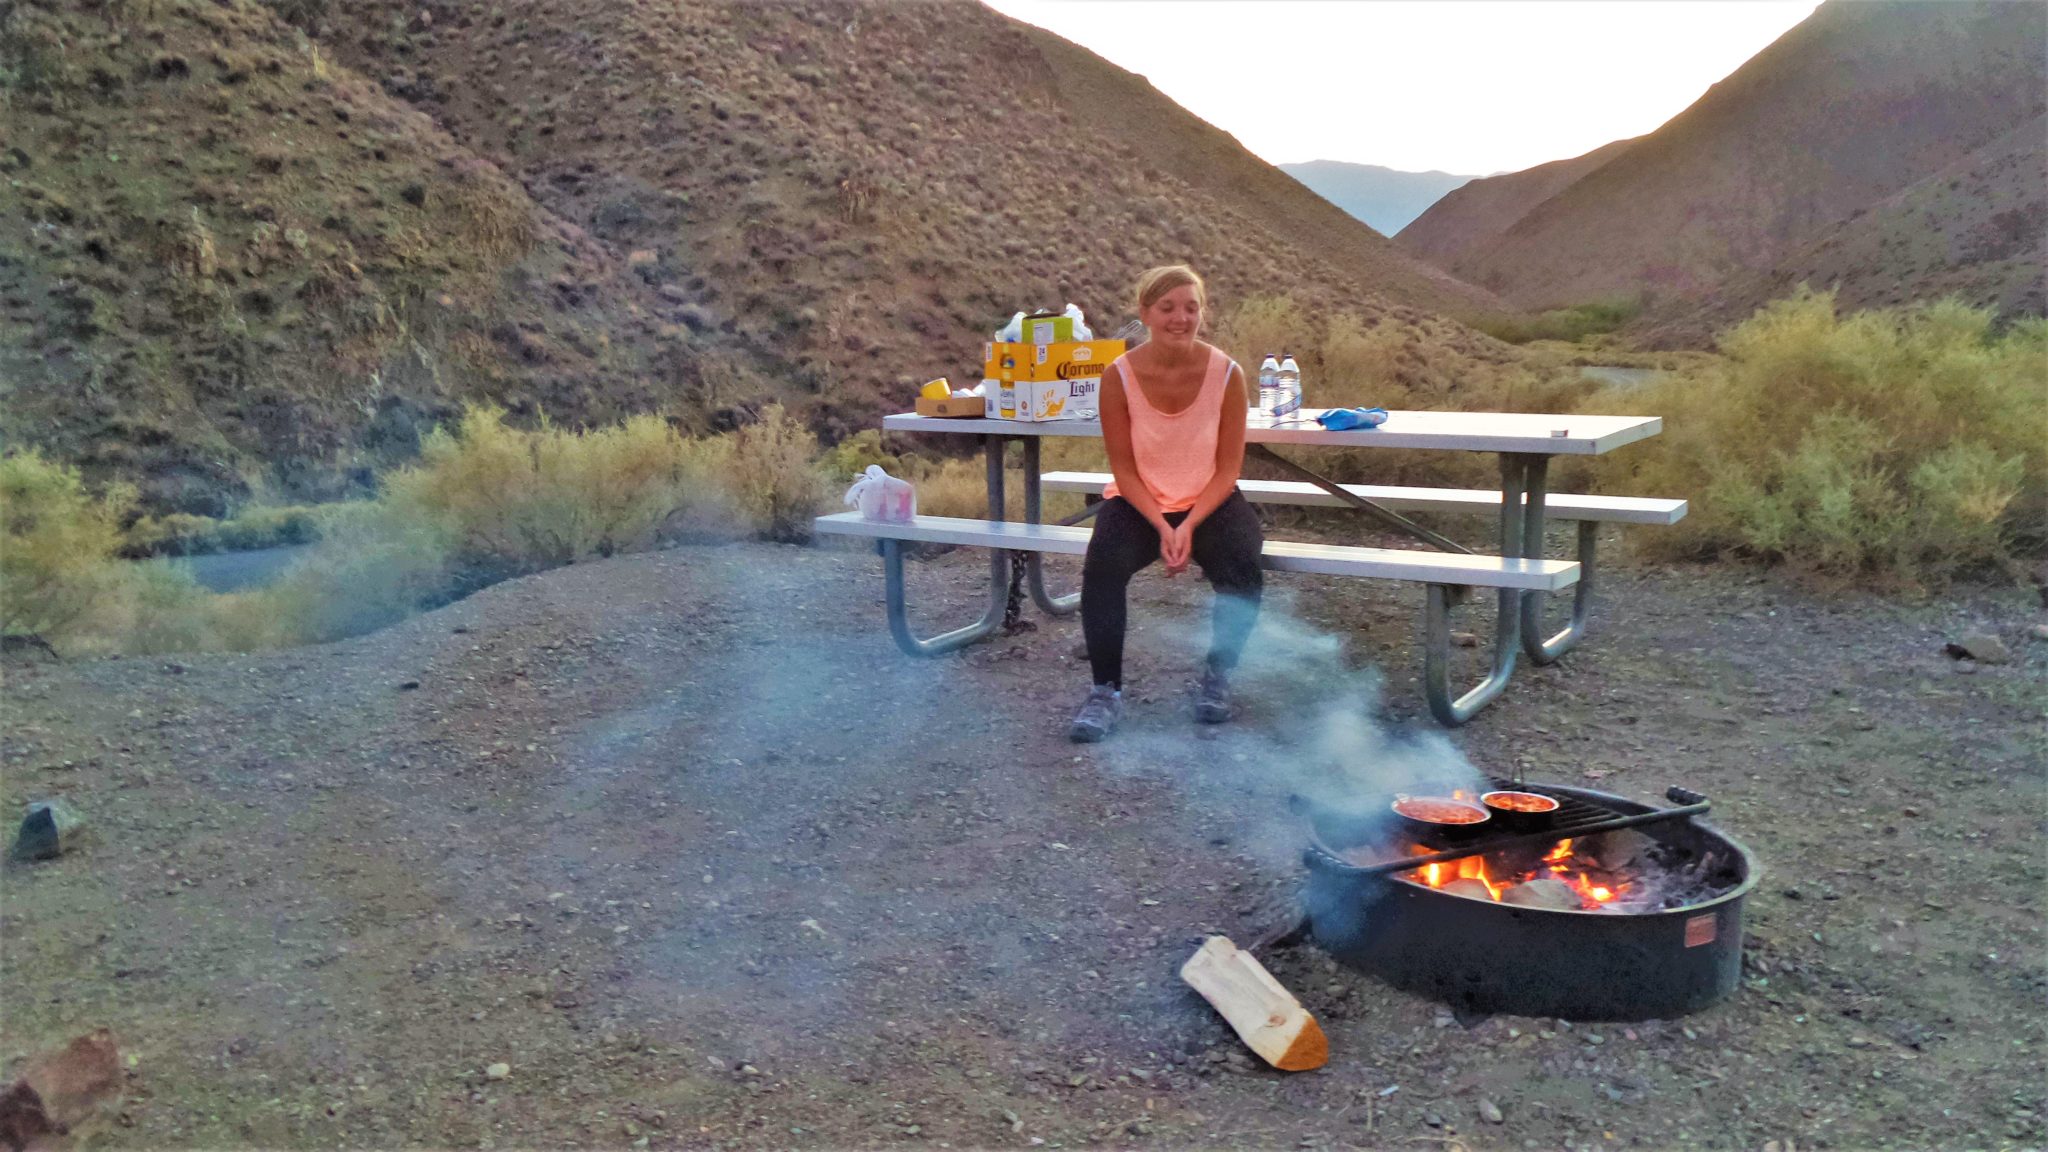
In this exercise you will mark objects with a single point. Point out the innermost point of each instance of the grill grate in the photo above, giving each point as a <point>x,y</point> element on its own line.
<point>1574,817</point>
<point>1572,813</point>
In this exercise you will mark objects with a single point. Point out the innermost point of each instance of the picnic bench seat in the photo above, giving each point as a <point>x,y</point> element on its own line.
<point>1589,511</point>
<point>1447,576</point>
<point>1556,506</point>
<point>1280,555</point>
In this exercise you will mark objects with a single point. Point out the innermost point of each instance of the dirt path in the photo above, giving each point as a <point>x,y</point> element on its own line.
<point>682,840</point>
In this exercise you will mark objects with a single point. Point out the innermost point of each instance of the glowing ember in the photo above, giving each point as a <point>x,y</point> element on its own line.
<point>1560,863</point>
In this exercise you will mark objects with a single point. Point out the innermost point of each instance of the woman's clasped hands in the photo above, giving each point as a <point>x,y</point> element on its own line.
<point>1176,545</point>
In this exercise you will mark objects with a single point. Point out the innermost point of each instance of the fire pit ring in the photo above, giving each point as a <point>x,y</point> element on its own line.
<point>1485,957</point>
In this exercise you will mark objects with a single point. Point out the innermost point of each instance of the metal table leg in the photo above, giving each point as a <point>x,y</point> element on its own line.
<point>1034,572</point>
<point>998,577</point>
<point>1540,650</point>
<point>1514,470</point>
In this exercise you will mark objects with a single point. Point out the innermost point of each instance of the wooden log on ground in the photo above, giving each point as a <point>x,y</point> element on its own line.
<point>1266,1016</point>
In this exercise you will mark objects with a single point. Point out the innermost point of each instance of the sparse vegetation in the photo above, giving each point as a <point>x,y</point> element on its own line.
<point>484,502</point>
<point>1903,444</point>
<point>60,541</point>
<point>183,534</point>
<point>1349,360</point>
<point>1567,324</point>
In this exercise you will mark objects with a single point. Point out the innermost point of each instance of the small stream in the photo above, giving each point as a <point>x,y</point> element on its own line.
<point>238,571</point>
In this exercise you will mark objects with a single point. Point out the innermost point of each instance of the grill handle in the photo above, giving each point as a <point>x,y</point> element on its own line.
<point>1317,855</point>
<point>1678,795</point>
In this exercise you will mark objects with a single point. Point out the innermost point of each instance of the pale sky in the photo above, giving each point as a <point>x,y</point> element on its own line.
<point>1471,86</point>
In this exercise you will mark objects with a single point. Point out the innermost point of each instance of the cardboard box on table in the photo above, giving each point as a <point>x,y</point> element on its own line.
<point>951,406</point>
<point>1060,381</point>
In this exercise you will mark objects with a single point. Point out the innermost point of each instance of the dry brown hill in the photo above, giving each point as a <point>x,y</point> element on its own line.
<point>250,244</point>
<point>1855,104</point>
<point>862,190</point>
<point>1977,231</point>
<point>226,258</point>
<point>1470,217</point>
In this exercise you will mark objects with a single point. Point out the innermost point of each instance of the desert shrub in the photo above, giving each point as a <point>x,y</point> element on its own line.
<point>846,460</point>
<point>62,576</point>
<point>512,500</point>
<point>1260,325</point>
<point>1905,443</point>
<point>1568,324</point>
<point>772,477</point>
<point>59,578</point>
<point>184,534</point>
<point>377,562</point>
<point>162,609</point>
<point>484,501</point>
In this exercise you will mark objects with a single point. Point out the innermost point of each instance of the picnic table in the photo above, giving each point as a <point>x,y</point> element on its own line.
<point>1521,573</point>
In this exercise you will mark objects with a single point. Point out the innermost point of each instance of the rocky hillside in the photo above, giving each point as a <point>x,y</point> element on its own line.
<point>226,260</point>
<point>1386,198</point>
<point>253,244</point>
<point>1473,215</point>
<point>853,188</point>
<point>1856,104</point>
<point>1977,230</point>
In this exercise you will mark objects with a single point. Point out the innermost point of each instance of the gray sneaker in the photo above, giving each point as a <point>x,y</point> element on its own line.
<point>1212,699</point>
<point>1098,715</point>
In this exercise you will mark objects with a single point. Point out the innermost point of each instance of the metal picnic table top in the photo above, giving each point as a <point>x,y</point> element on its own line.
<point>1521,432</point>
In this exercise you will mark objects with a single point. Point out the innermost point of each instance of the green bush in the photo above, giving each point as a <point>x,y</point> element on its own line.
<point>516,501</point>
<point>773,475</point>
<point>377,562</point>
<point>1568,324</point>
<point>483,502</point>
<point>62,577</point>
<point>1909,444</point>
<point>58,572</point>
<point>183,534</point>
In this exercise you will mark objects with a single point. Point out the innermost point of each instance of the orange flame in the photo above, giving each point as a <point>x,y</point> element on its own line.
<point>1558,863</point>
<point>1469,868</point>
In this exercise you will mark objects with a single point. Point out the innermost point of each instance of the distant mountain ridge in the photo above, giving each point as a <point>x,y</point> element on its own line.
<point>1473,215</point>
<point>1857,103</point>
<point>1386,198</point>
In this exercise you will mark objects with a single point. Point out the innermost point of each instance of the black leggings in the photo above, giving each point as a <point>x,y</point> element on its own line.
<point>1226,545</point>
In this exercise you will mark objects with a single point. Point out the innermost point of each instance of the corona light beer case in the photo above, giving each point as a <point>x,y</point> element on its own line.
<point>1046,381</point>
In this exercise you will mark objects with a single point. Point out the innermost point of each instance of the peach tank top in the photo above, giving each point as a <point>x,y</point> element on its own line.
<point>1175,451</point>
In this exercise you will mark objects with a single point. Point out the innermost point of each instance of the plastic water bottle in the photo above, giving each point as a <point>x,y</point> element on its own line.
<point>1269,386</point>
<point>1289,384</point>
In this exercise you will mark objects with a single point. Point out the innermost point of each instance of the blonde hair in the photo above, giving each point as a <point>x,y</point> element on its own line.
<point>1159,281</point>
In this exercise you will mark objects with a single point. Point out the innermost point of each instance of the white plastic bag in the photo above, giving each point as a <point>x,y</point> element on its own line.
<point>1013,332</point>
<point>1081,329</point>
<point>880,496</point>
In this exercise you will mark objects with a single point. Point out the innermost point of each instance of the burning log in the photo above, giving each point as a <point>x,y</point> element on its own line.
<point>1469,887</point>
<point>1265,1015</point>
<point>1619,850</point>
<point>1543,892</point>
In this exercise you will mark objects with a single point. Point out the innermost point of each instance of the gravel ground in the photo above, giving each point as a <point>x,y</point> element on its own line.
<point>686,845</point>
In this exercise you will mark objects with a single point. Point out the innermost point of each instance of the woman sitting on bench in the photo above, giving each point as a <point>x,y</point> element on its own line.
<point>1173,413</point>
